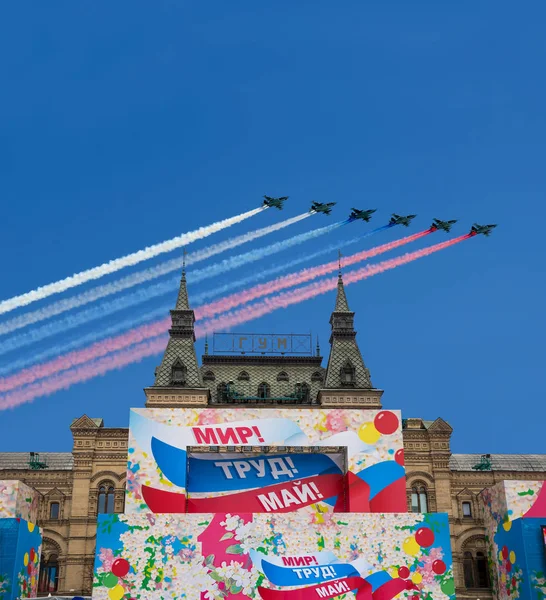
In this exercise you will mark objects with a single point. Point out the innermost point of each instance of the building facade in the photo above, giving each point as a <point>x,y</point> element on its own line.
<point>74,487</point>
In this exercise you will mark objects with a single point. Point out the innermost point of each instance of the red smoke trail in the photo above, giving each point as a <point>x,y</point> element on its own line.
<point>286,299</point>
<point>293,279</point>
<point>100,367</point>
<point>139,334</point>
<point>157,345</point>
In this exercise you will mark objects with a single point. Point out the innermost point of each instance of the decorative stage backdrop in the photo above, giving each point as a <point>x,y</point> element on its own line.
<point>158,462</point>
<point>18,501</point>
<point>295,556</point>
<point>20,548</point>
<point>515,513</point>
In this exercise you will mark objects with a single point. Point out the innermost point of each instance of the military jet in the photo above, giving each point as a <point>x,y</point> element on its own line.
<point>485,229</point>
<point>320,207</point>
<point>398,220</point>
<point>276,202</point>
<point>439,224</point>
<point>365,215</point>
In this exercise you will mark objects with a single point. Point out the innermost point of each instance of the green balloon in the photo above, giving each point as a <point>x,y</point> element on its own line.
<point>448,586</point>
<point>109,580</point>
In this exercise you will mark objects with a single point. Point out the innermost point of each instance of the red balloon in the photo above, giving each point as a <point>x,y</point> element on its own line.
<point>424,537</point>
<point>29,568</point>
<point>386,422</point>
<point>399,457</point>
<point>31,554</point>
<point>508,566</point>
<point>439,567</point>
<point>120,567</point>
<point>504,552</point>
<point>514,581</point>
<point>403,572</point>
<point>410,585</point>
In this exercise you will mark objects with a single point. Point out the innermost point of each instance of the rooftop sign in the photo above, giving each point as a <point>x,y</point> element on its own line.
<point>262,343</point>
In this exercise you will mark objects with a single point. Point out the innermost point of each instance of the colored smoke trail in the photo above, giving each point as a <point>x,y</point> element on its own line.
<point>312,290</point>
<point>143,276</point>
<point>293,279</point>
<point>84,373</point>
<point>243,315</point>
<point>125,261</point>
<point>159,289</point>
<point>94,336</point>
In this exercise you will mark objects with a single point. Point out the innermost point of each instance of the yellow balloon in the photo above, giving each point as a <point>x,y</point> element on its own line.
<point>410,546</point>
<point>512,557</point>
<point>503,577</point>
<point>116,593</point>
<point>32,581</point>
<point>25,559</point>
<point>507,525</point>
<point>393,572</point>
<point>30,527</point>
<point>500,555</point>
<point>36,558</point>
<point>417,578</point>
<point>368,433</point>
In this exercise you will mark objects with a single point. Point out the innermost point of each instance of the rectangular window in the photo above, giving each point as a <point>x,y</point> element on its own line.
<point>467,509</point>
<point>54,510</point>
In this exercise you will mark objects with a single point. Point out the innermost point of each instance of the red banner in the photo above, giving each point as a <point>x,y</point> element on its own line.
<point>329,589</point>
<point>282,497</point>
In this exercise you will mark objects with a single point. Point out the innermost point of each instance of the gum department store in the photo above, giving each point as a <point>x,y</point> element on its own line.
<point>75,486</point>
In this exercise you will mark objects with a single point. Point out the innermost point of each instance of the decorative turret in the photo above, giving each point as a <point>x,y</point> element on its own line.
<point>346,372</point>
<point>179,369</point>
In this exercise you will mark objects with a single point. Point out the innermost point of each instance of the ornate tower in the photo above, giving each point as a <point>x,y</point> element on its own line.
<point>178,380</point>
<point>347,380</point>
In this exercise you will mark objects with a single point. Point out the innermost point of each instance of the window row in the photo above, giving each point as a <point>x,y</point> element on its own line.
<point>244,376</point>
<point>302,392</point>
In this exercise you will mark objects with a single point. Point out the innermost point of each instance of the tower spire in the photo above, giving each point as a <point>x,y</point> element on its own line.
<point>179,366</point>
<point>345,365</point>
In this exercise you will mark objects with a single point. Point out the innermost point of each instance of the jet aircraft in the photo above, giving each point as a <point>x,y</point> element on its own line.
<point>365,215</point>
<point>398,220</point>
<point>485,229</point>
<point>439,224</point>
<point>276,202</point>
<point>320,207</point>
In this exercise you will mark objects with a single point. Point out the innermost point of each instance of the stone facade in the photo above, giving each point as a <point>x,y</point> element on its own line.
<point>94,473</point>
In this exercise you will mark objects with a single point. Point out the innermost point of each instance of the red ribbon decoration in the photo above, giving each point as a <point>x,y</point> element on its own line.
<point>248,502</point>
<point>159,501</point>
<point>337,587</point>
<point>387,591</point>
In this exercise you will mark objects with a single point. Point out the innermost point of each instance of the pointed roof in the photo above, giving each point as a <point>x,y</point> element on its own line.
<point>341,299</point>
<point>182,302</point>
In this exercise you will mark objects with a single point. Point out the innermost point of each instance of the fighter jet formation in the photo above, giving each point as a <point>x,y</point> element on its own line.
<point>481,229</point>
<point>366,215</point>
<point>398,220</point>
<point>276,202</point>
<point>444,225</point>
<point>320,207</point>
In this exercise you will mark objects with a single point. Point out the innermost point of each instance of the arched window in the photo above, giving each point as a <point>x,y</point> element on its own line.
<point>475,570</point>
<point>106,499</point>
<point>468,569</point>
<point>467,510</point>
<point>54,510</point>
<point>263,390</point>
<point>243,376</point>
<point>347,374</point>
<point>221,392</point>
<point>419,499</point>
<point>49,574</point>
<point>316,376</point>
<point>208,376</point>
<point>282,376</point>
<point>178,373</point>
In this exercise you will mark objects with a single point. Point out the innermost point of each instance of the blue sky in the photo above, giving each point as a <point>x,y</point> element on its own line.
<point>126,124</point>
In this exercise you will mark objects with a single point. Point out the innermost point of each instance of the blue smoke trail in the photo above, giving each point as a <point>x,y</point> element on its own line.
<point>198,299</point>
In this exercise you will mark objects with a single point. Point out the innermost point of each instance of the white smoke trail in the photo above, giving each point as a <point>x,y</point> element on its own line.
<point>120,263</point>
<point>143,276</point>
<point>159,289</point>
